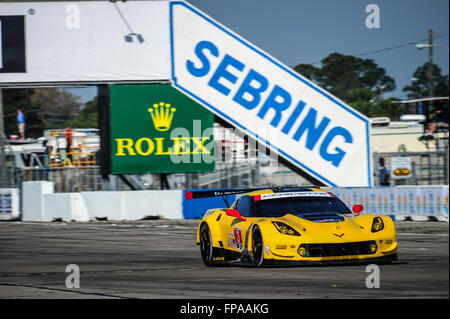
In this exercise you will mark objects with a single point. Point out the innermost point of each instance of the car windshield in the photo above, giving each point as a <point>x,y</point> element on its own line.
<point>300,206</point>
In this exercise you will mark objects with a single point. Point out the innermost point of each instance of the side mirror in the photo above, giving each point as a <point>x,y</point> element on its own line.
<point>357,208</point>
<point>235,213</point>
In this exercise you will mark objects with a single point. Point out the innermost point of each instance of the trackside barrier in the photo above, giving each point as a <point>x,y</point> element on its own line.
<point>9,203</point>
<point>40,203</point>
<point>196,208</point>
<point>417,202</point>
<point>134,205</point>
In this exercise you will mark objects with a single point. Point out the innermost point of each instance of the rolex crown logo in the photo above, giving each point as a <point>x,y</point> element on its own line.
<point>162,115</point>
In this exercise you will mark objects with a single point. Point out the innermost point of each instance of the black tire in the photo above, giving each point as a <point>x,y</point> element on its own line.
<point>257,247</point>
<point>206,247</point>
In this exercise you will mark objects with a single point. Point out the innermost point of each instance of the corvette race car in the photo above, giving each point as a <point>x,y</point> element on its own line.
<point>285,225</point>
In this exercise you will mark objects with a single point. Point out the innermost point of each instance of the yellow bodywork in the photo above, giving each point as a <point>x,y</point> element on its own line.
<point>226,230</point>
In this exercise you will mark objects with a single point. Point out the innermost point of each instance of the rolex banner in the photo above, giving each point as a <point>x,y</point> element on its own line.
<point>157,129</point>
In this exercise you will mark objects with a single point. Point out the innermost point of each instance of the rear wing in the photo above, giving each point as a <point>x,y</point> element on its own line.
<point>219,192</point>
<point>233,191</point>
<point>224,192</point>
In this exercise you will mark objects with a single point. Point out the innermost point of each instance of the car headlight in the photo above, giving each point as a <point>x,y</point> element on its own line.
<point>377,224</point>
<point>285,229</point>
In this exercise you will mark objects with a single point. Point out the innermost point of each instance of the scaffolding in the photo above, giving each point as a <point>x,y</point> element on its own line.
<point>71,148</point>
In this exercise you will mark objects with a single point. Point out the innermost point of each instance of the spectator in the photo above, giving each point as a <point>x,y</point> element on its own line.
<point>384,173</point>
<point>441,116</point>
<point>21,124</point>
<point>69,143</point>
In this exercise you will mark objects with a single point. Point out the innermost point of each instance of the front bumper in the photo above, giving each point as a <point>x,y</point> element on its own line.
<point>345,260</point>
<point>339,249</point>
<point>344,252</point>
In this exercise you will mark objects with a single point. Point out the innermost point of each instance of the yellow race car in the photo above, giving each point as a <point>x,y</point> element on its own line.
<point>285,225</point>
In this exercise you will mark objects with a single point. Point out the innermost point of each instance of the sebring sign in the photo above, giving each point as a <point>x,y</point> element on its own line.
<point>301,122</point>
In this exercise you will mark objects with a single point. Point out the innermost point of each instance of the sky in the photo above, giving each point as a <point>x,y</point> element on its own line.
<point>306,31</point>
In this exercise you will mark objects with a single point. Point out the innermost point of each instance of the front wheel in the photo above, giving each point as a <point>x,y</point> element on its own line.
<point>257,248</point>
<point>206,247</point>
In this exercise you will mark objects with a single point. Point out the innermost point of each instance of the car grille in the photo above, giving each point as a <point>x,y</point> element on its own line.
<point>343,249</point>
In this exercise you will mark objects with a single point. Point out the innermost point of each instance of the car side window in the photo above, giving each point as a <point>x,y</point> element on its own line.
<point>243,206</point>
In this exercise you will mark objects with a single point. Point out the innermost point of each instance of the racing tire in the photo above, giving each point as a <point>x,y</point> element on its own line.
<point>206,247</point>
<point>257,247</point>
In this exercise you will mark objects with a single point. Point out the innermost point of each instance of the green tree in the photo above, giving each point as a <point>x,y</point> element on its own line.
<point>387,108</point>
<point>360,99</point>
<point>340,73</point>
<point>420,86</point>
<point>356,81</point>
<point>88,117</point>
<point>14,99</point>
<point>57,105</point>
<point>366,102</point>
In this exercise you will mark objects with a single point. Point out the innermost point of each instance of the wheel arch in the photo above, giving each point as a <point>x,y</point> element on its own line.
<point>214,230</point>
<point>250,237</point>
<point>250,244</point>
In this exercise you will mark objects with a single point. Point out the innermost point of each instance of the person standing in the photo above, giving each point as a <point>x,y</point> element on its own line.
<point>69,143</point>
<point>21,124</point>
<point>384,173</point>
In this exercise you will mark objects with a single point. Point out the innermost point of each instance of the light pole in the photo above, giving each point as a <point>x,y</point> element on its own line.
<point>424,45</point>
<point>430,46</point>
<point>430,62</point>
<point>3,180</point>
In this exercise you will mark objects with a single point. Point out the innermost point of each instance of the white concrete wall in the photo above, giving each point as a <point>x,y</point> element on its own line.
<point>134,205</point>
<point>104,204</point>
<point>67,206</point>
<point>41,204</point>
<point>139,204</point>
<point>33,199</point>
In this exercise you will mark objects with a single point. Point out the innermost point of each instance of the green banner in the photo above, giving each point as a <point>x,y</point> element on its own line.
<point>157,129</point>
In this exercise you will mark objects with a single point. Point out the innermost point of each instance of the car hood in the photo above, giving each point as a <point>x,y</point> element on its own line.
<point>344,229</point>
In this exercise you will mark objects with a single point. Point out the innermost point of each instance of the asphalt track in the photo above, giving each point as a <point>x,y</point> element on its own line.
<point>159,259</point>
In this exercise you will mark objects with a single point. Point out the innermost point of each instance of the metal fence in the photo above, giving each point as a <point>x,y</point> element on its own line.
<point>78,179</point>
<point>65,179</point>
<point>427,169</point>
